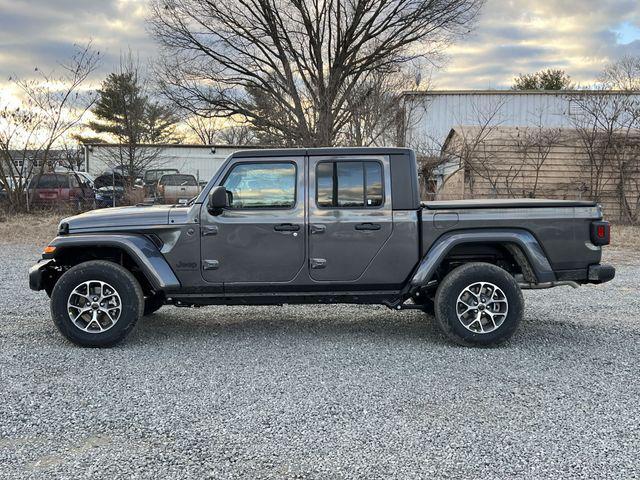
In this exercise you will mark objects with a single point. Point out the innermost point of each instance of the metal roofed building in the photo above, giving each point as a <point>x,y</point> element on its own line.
<point>431,115</point>
<point>202,161</point>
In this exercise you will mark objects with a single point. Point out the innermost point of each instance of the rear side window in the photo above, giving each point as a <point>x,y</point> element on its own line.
<point>53,181</point>
<point>262,185</point>
<point>179,181</point>
<point>349,184</point>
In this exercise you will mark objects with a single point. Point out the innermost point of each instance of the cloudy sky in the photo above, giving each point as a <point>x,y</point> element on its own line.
<point>512,36</point>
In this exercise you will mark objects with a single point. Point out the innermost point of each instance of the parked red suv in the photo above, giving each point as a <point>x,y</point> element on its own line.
<point>53,189</point>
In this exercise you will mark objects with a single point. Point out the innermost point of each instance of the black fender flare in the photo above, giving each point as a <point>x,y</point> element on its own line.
<point>522,238</point>
<point>139,247</point>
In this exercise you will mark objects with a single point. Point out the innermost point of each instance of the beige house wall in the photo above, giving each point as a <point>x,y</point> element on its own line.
<point>502,170</point>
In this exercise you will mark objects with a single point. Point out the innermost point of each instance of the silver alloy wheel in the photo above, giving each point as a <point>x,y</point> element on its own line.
<point>482,307</point>
<point>94,306</point>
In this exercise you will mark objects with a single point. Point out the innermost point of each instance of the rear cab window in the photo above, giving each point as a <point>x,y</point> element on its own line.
<point>178,181</point>
<point>152,176</point>
<point>349,184</point>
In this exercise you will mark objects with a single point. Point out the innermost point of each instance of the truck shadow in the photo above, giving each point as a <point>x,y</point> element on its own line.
<point>333,324</point>
<point>276,323</point>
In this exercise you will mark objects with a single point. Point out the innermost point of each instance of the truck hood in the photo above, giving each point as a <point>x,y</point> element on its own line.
<point>116,218</point>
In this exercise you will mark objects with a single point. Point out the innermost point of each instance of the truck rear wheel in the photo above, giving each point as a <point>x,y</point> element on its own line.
<point>96,303</point>
<point>479,304</point>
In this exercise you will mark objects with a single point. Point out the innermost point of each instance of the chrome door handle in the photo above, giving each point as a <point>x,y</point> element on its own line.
<point>368,226</point>
<point>317,263</point>
<point>211,230</point>
<point>286,227</point>
<point>317,228</point>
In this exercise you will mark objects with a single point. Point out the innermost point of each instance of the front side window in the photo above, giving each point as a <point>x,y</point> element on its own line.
<point>262,185</point>
<point>349,184</point>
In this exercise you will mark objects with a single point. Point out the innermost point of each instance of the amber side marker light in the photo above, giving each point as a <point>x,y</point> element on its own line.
<point>49,249</point>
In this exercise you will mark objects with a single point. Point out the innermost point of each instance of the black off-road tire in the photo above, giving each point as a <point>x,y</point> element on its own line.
<point>446,303</point>
<point>127,287</point>
<point>152,304</point>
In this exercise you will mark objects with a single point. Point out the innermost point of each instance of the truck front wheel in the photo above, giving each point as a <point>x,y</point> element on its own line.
<point>479,304</point>
<point>96,303</point>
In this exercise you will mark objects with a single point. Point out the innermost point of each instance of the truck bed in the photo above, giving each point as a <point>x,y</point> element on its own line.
<point>561,226</point>
<point>505,203</point>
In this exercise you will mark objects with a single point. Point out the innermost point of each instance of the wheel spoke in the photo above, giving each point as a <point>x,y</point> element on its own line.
<point>482,307</point>
<point>81,311</point>
<point>100,299</point>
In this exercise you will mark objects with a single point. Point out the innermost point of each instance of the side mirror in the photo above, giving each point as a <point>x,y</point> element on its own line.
<point>218,200</point>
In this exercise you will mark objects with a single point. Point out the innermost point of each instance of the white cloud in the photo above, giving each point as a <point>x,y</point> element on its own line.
<point>519,36</point>
<point>513,36</point>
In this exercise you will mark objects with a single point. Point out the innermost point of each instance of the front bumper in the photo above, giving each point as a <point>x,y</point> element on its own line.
<point>39,274</point>
<point>601,273</point>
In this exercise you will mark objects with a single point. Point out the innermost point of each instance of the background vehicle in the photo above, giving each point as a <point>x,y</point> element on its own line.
<point>52,189</point>
<point>112,189</point>
<point>151,178</point>
<point>320,226</point>
<point>11,182</point>
<point>176,188</point>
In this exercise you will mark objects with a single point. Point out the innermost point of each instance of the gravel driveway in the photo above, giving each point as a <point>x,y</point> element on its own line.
<point>322,392</point>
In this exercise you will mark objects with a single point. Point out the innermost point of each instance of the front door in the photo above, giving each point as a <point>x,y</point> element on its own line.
<point>260,237</point>
<point>350,216</point>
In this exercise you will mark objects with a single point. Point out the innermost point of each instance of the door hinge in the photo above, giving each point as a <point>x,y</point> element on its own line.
<point>318,263</point>
<point>210,265</point>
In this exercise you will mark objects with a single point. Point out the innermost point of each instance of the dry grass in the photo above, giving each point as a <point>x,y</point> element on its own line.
<point>625,237</point>
<point>29,229</point>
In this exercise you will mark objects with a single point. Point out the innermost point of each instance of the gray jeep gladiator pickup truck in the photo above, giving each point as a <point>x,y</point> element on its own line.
<point>320,225</point>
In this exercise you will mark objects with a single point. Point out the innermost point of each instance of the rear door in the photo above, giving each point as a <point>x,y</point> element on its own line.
<point>260,238</point>
<point>350,216</point>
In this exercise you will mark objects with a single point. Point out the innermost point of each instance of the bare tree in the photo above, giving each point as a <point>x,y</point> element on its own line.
<point>471,149</point>
<point>376,108</point>
<point>606,123</point>
<point>126,112</point>
<point>204,129</point>
<point>237,135</point>
<point>53,106</point>
<point>290,67</point>
<point>534,145</point>
<point>623,75</point>
<point>211,131</point>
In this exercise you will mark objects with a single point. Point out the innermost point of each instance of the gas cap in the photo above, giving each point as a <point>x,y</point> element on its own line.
<point>445,220</point>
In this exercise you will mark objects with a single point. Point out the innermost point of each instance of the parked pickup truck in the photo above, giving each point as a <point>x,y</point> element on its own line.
<point>319,226</point>
<point>176,188</point>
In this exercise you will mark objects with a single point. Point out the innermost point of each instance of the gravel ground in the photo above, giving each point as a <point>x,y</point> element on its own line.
<point>322,392</point>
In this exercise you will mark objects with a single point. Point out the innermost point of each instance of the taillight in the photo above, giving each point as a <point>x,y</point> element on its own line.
<point>600,233</point>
